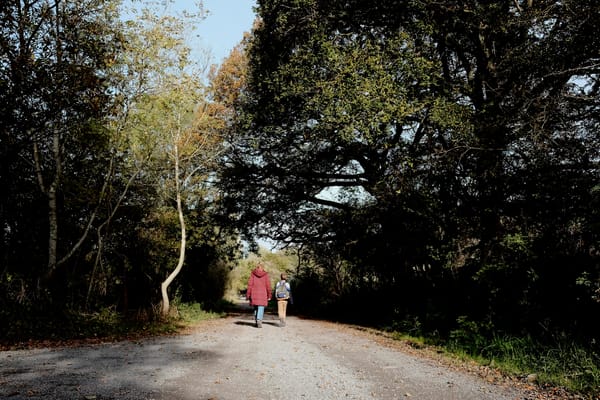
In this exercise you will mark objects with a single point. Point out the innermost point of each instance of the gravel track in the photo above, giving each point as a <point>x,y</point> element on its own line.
<point>231,359</point>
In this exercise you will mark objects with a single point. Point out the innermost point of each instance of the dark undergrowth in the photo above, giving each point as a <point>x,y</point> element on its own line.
<point>51,328</point>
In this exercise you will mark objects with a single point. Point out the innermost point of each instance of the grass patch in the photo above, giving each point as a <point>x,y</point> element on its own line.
<point>193,313</point>
<point>561,363</point>
<point>414,342</point>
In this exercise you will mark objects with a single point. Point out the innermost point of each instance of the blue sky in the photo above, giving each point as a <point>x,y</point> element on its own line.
<point>221,30</point>
<point>225,25</point>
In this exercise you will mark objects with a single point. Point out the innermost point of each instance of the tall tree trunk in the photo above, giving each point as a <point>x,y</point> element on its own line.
<point>165,284</point>
<point>53,206</point>
<point>51,193</point>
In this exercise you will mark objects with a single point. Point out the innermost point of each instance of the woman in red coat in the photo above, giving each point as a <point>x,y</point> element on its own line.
<point>259,292</point>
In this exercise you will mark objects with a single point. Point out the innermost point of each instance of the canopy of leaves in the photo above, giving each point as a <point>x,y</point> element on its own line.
<point>459,136</point>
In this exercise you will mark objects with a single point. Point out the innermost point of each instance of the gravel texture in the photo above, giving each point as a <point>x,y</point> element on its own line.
<point>232,359</point>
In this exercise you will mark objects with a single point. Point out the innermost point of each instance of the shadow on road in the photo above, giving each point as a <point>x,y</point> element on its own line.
<point>243,312</point>
<point>245,323</point>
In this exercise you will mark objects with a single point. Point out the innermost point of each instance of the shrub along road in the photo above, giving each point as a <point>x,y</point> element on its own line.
<point>232,359</point>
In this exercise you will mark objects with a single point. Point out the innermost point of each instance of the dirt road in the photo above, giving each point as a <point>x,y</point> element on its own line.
<point>231,359</point>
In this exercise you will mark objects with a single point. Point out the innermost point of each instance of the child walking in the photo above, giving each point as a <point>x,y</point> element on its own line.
<point>283,293</point>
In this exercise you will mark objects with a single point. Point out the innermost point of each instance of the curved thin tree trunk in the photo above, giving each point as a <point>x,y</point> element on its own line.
<point>165,284</point>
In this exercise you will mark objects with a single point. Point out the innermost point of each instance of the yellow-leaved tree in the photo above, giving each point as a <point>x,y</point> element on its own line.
<point>172,124</point>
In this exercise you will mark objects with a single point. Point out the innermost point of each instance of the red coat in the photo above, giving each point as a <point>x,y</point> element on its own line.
<point>259,288</point>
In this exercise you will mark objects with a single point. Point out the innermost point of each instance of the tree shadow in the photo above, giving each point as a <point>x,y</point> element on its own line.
<point>101,371</point>
<point>245,323</point>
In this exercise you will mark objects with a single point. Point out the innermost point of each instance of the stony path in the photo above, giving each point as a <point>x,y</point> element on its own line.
<point>231,359</point>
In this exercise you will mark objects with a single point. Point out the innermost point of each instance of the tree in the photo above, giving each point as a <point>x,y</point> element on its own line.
<point>176,125</point>
<point>411,133</point>
<point>55,56</point>
<point>153,48</point>
<point>190,150</point>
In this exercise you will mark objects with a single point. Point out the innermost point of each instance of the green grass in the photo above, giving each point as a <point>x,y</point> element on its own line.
<point>562,363</point>
<point>192,313</point>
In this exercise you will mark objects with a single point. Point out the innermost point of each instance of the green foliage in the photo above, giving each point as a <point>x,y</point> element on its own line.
<point>275,263</point>
<point>469,336</point>
<point>409,326</point>
<point>190,313</point>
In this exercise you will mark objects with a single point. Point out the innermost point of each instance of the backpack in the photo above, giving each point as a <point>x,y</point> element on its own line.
<point>281,290</point>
